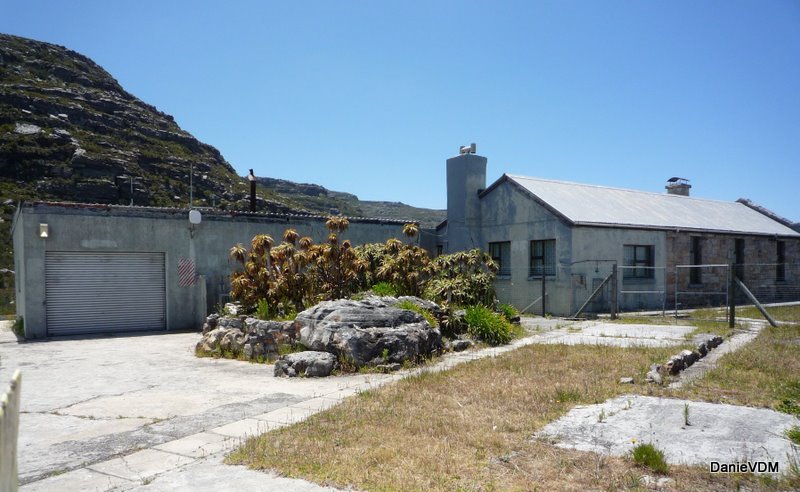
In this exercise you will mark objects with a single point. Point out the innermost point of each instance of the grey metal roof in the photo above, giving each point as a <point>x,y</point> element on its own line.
<point>600,205</point>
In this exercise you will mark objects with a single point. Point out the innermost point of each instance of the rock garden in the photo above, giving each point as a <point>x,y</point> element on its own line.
<point>313,309</point>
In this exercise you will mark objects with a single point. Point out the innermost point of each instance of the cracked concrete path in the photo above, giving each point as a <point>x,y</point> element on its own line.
<point>123,412</point>
<point>716,432</point>
<point>88,403</point>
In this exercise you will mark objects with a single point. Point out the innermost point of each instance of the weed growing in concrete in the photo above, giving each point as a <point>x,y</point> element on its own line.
<point>651,457</point>
<point>686,414</point>
<point>793,433</point>
<point>601,417</point>
<point>19,327</point>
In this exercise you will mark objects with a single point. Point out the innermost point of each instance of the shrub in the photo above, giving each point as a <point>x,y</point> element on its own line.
<point>508,311</point>
<point>464,278</point>
<point>452,325</point>
<point>384,289</point>
<point>651,457</point>
<point>488,326</point>
<point>262,310</point>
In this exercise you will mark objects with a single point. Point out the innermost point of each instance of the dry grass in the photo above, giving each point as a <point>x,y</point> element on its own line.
<point>764,373</point>
<point>470,428</point>
<point>789,314</point>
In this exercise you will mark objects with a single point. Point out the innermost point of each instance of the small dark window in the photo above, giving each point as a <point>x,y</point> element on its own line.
<point>641,259</point>
<point>738,258</point>
<point>501,254</point>
<point>780,267</point>
<point>697,259</point>
<point>543,258</point>
<point>439,249</point>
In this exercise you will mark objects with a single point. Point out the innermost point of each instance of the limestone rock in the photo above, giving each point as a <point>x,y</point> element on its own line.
<point>459,345</point>
<point>310,364</point>
<point>367,332</point>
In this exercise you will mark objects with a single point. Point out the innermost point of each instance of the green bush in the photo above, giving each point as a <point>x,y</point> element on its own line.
<point>262,310</point>
<point>384,289</point>
<point>464,278</point>
<point>452,325</point>
<point>651,457</point>
<point>508,311</point>
<point>488,326</point>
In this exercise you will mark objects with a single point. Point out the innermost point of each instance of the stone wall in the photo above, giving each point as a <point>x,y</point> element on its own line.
<point>759,269</point>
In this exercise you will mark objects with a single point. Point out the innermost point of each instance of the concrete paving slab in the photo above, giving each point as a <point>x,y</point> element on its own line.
<point>199,445</point>
<point>242,429</point>
<point>142,465</point>
<point>621,330</point>
<point>317,404</point>
<point>211,474</point>
<point>286,415</point>
<point>80,480</point>
<point>717,432</point>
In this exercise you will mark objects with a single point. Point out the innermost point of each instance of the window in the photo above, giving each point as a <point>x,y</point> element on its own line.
<point>501,254</point>
<point>780,268</point>
<point>439,249</point>
<point>543,258</point>
<point>641,259</point>
<point>696,276</point>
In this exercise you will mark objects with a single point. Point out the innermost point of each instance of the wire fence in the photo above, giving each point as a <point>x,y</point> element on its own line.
<point>595,287</point>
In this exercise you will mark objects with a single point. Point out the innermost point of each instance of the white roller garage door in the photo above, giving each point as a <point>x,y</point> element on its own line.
<point>88,292</point>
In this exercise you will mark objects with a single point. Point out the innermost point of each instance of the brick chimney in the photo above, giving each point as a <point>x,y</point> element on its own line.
<point>678,186</point>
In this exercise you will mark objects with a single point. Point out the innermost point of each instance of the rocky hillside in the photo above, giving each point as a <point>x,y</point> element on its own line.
<point>69,131</point>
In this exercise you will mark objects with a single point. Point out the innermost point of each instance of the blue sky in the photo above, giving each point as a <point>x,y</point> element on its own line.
<point>371,97</point>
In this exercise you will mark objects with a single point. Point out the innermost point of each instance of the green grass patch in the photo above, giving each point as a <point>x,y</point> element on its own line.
<point>430,318</point>
<point>793,433</point>
<point>650,457</point>
<point>485,325</point>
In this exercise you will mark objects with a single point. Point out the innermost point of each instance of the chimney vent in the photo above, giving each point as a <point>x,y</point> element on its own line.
<point>678,186</point>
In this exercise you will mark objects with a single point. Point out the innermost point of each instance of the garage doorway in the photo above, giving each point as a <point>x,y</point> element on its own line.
<point>93,292</point>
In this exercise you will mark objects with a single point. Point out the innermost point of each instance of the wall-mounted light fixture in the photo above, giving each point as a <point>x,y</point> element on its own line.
<point>194,219</point>
<point>44,231</point>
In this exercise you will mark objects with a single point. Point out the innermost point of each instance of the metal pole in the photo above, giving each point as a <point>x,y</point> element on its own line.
<point>614,288</point>
<point>676,290</point>
<point>731,295</point>
<point>191,184</point>
<point>544,292</point>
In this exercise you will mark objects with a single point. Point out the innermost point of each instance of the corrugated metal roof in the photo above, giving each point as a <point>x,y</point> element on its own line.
<point>600,205</point>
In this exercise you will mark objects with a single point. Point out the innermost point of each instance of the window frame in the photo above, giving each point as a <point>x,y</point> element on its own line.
<point>643,269</point>
<point>780,264</point>
<point>539,264</point>
<point>696,274</point>
<point>503,269</point>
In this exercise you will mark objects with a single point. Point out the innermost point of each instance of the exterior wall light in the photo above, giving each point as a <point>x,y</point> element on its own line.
<point>194,219</point>
<point>44,231</point>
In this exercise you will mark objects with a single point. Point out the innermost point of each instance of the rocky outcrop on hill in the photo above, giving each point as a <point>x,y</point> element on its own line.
<point>69,130</point>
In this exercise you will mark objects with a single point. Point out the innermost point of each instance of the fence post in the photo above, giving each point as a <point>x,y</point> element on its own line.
<point>614,289</point>
<point>9,431</point>
<point>544,292</point>
<point>731,295</point>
